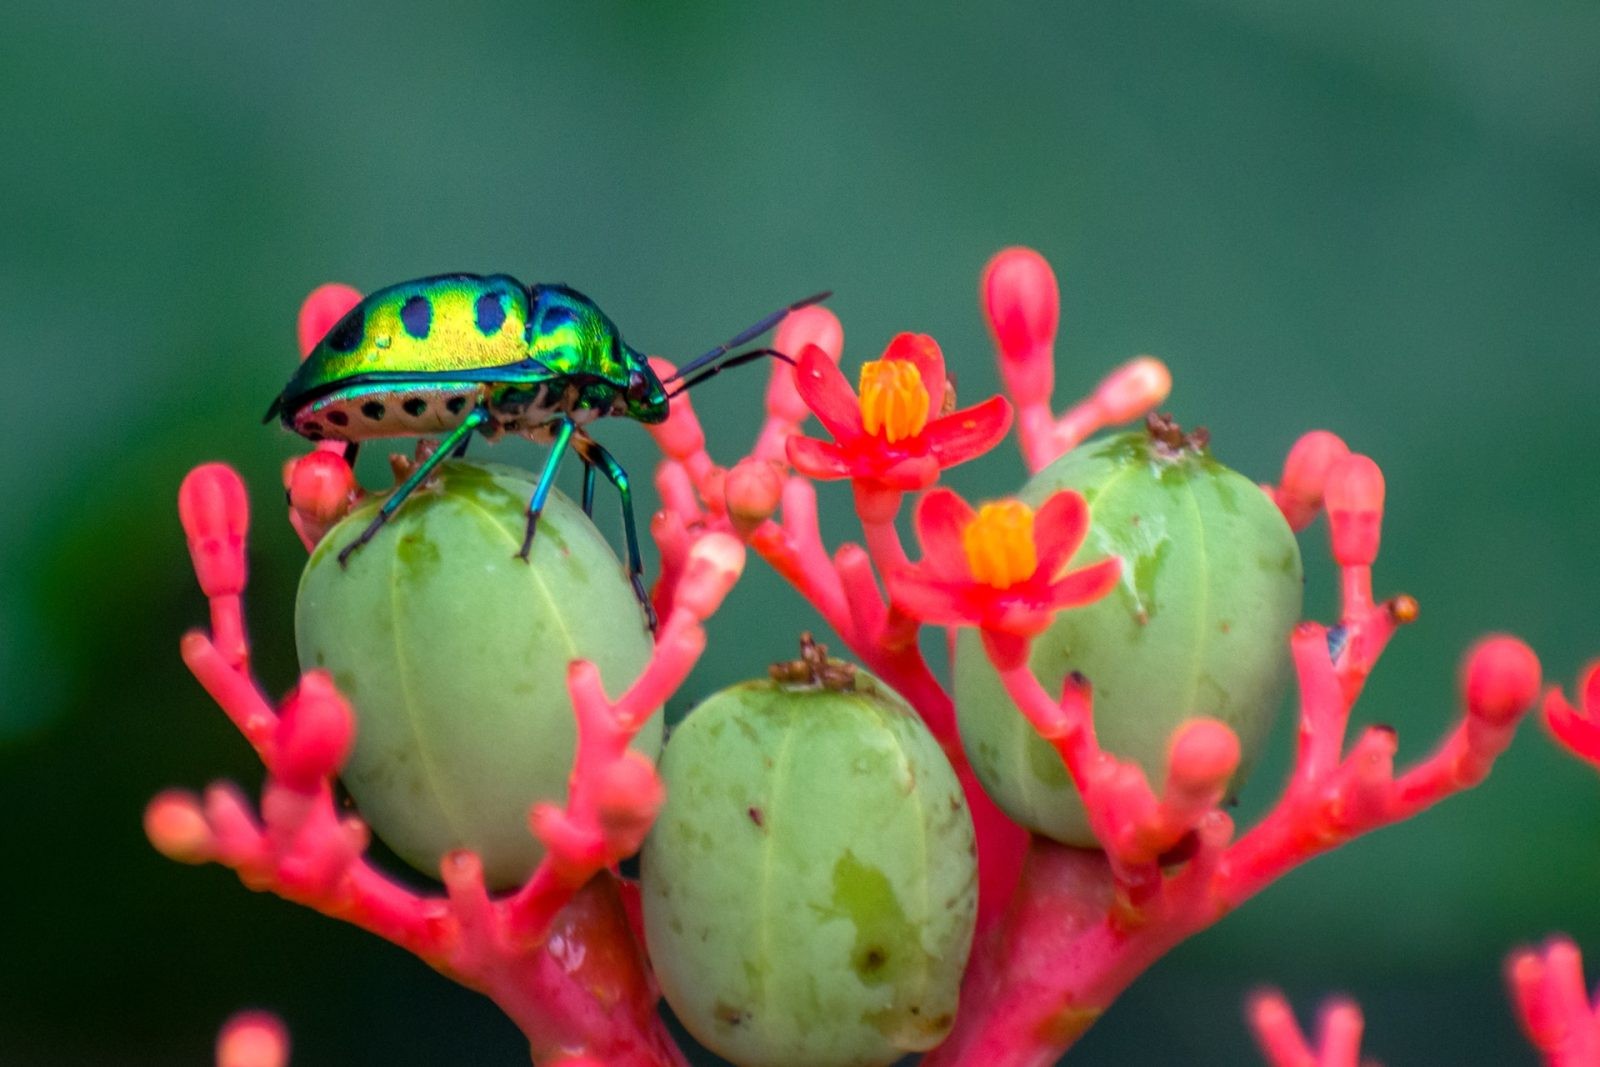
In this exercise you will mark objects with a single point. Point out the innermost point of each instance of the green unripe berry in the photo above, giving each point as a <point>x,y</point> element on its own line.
<point>454,654</point>
<point>1199,625</point>
<point>810,887</point>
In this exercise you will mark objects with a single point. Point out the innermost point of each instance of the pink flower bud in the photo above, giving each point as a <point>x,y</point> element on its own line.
<point>715,563</point>
<point>1354,496</point>
<point>1500,679</point>
<point>1203,755</point>
<point>753,489</point>
<point>320,486</point>
<point>215,514</point>
<point>1305,474</point>
<point>313,736</point>
<point>253,1039</point>
<point>629,795</point>
<point>1023,305</point>
<point>813,325</point>
<point>1133,389</point>
<point>325,306</point>
<point>177,828</point>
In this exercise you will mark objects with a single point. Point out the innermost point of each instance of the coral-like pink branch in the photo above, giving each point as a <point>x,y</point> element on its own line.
<point>253,1039</point>
<point>1284,1045</point>
<point>1168,868</point>
<point>1556,1012</point>
<point>1023,305</point>
<point>558,956</point>
<point>1577,727</point>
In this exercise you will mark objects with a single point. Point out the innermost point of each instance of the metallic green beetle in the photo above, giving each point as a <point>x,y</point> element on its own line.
<point>456,353</point>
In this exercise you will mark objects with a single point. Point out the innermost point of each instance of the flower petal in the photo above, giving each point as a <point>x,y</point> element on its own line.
<point>926,597</point>
<point>909,474</point>
<point>1086,584</point>
<point>818,459</point>
<point>961,435</point>
<point>1059,527</point>
<point>941,516</point>
<point>826,392</point>
<point>922,351</point>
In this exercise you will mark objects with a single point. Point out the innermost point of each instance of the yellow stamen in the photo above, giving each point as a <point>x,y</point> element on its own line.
<point>999,544</point>
<point>894,402</point>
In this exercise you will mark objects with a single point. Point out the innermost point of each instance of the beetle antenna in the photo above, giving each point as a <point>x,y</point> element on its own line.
<point>749,333</point>
<point>713,371</point>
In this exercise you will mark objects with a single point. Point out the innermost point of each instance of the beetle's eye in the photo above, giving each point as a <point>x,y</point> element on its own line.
<point>638,388</point>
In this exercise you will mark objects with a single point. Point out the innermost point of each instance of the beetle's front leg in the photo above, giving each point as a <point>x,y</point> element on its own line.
<point>541,492</point>
<point>475,418</point>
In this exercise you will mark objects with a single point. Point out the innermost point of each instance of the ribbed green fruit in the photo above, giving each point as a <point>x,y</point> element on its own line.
<point>811,885</point>
<point>1199,625</point>
<point>454,655</point>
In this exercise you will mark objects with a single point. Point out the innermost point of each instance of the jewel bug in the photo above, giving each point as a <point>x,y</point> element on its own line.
<point>457,353</point>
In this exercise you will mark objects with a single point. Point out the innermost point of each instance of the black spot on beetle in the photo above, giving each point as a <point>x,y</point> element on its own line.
<point>455,404</point>
<point>311,427</point>
<point>372,410</point>
<point>347,332</point>
<point>489,313</point>
<point>416,315</point>
<point>415,407</point>
<point>338,418</point>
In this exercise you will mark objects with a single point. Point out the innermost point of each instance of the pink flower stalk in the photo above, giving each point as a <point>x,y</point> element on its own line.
<point>1284,1044</point>
<point>1084,925</point>
<point>1061,930</point>
<point>1578,728</point>
<point>1002,567</point>
<point>253,1039</point>
<point>1023,305</point>
<point>1551,1003</point>
<point>558,955</point>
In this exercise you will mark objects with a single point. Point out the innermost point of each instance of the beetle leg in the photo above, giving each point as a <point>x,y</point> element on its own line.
<point>350,450</point>
<point>597,457</point>
<point>474,419</point>
<point>588,481</point>
<point>541,492</point>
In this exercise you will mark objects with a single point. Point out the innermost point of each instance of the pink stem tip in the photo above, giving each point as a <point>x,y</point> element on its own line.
<point>253,1039</point>
<point>1552,1005</point>
<point>1284,1044</point>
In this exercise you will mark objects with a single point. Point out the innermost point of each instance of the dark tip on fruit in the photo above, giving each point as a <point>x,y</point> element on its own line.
<point>1383,727</point>
<point>728,1014</point>
<point>873,960</point>
<point>1169,437</point>
<point>815,669</point>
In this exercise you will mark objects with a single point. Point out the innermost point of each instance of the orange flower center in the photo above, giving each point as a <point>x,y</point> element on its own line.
<point>999,544</point>
<point>894,402</point>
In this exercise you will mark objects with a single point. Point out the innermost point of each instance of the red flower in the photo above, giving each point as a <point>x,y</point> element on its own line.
<point>1001,568</point>
<point>895,434</point>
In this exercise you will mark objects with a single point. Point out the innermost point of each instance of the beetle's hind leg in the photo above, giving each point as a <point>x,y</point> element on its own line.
<point>475,418</point>
<point>588,481</point>
<point>598,458</point>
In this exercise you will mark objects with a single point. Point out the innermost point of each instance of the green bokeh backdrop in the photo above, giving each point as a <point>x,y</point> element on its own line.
<point>1381,219</point>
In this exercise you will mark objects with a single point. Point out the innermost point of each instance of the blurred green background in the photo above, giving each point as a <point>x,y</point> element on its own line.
<point>1380,219</point>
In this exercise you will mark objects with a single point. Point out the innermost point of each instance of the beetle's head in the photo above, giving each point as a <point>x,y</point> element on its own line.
<point>644,397</point>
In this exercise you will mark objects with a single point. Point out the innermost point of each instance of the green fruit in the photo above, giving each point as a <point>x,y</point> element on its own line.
<point>811,885</point>
<point>454,655</point>
<point>1199,625</point>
